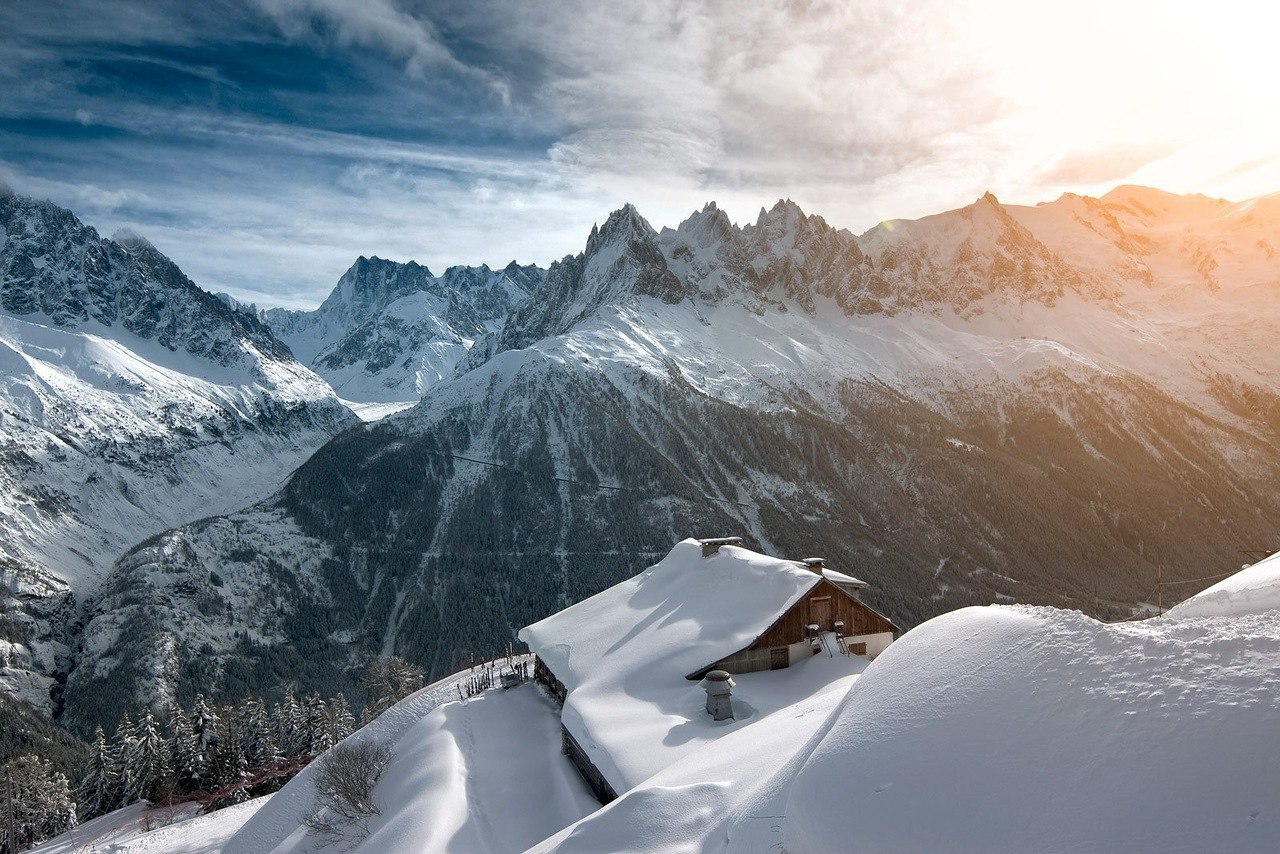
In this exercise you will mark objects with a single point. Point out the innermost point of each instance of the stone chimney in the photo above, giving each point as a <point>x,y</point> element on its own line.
<point>817,564</point>
<point>718,685</point>
<point>711,546</point>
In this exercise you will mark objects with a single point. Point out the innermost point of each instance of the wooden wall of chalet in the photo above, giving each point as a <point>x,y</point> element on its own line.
<point>590,773</point>
<point>791,626</point>
<point>543,674</point>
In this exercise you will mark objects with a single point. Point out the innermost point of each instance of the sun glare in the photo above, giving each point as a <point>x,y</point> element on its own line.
<point>1177,94</point>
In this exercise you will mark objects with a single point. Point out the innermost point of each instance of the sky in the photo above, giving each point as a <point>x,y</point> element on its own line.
<point>265,144</point>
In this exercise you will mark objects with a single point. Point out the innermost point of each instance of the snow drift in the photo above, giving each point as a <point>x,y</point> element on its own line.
<point>1033,729</point>
<point>1253,590</point>
<point>482,775</point>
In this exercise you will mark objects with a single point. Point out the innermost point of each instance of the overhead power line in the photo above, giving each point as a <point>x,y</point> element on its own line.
<point>586,483</point>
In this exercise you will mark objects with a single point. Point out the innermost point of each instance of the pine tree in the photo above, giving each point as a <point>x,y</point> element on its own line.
<point>184,745</point>
<point>205,729</point>
<point>319,734</point>
<point>37,803</point>
<point>342,722</point>
<point>124,743</point>
<point>259,739</point>
<point>149,762</point>
<point>290,729</point>
<point>229,766</point>
<point>99,791</point>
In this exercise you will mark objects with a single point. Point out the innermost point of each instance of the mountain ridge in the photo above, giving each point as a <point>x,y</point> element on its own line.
<point>951,445</point>
<point>389,330</point>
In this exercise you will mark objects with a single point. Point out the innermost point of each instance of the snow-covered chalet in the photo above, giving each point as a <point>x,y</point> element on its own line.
<point>625,663</point>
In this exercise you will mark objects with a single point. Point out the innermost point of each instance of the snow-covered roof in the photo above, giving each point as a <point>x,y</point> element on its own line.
<point>726,796</point>
<point>840,578</point>
<point>687,610</point>
<point>624,653</point>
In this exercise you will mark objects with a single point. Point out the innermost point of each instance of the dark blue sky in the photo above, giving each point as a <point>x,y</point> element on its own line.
<point>265,144</point>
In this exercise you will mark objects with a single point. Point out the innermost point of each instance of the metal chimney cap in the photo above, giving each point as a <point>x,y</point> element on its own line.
<point>718,676</point>
<point>815,562</point>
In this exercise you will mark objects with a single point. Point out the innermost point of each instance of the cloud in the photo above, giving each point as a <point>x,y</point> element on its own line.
<point>264,144</point>
<point>377,24</point>
<point>1104,164</point>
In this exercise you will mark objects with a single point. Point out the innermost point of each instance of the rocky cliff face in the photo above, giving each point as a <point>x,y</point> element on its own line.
<point>974,407</point>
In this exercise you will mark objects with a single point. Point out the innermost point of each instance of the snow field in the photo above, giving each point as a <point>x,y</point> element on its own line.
<point>1032,729</point>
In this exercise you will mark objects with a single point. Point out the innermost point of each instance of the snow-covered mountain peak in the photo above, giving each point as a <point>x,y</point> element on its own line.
<point>130,239</point>
<point>622,226</point>
<point>707,227</point>
<point>782,209</point>
<point>622,261</point>
<point>370,285</point>
<point>55,268</point>
<point>389,330</point>
<point>1151,202</point>
<point>783,224</point>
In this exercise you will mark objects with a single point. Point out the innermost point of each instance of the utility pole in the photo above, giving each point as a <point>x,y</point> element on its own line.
<point>1160,588</point>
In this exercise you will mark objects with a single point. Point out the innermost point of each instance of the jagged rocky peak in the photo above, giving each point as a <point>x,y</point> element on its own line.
<point>622,260</point>
<point>707,227</point>
<point>513,277</point>
<point>54,265</point>
<point>786,226</point>
<point>389,330</point>
<point>370,284</point>
<point>783,210</point>
<point>462,277</point>
<point>623,225</point>
<point>785,216</point>
<point>987,209</point>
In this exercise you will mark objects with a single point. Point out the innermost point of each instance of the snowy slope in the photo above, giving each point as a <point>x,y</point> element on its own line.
<point>131,401</point>
<point>465,779</point>
<point>390,331</point>
<point>176,830</point>
<point>1162,239</point>
<point>1253,590</point>
<point>1035,729</point>
<point>460,779</point>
